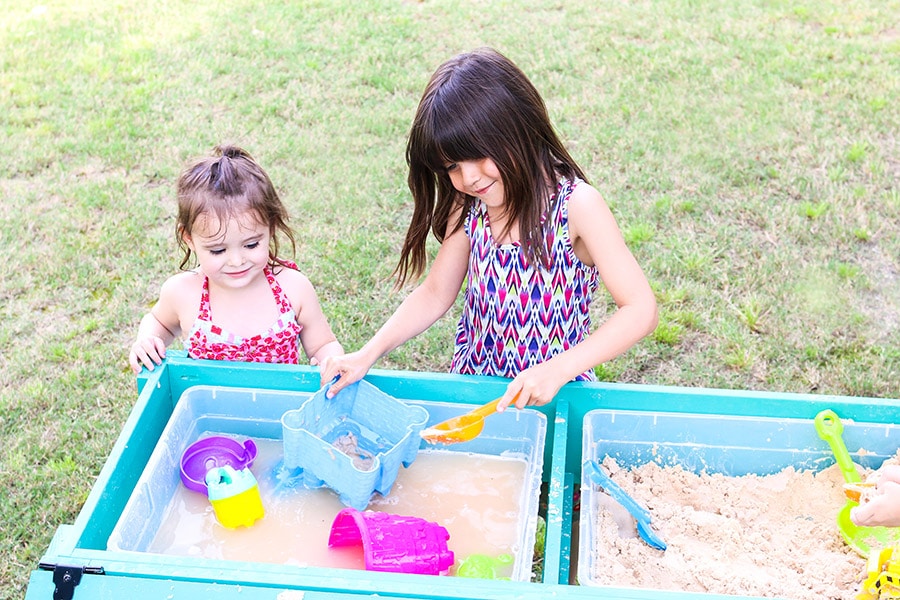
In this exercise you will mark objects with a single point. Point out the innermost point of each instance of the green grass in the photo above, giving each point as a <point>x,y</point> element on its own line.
<point>748,149</point>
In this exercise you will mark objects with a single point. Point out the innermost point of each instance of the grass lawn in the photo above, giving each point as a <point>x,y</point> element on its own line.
<point>750,151</point>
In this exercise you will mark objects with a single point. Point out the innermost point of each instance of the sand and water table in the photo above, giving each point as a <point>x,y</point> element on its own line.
<point>113,548</point>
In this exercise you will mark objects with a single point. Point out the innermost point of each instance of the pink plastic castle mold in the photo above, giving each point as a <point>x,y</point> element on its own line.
<point>394,543</point>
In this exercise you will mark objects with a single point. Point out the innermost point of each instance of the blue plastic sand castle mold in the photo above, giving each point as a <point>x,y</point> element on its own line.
<point>353,443</point>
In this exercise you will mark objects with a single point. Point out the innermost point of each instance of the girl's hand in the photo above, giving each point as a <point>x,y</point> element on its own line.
<point>350,367</point>
<point>883,509</point>
<point>536,386</point>
<point>330,349</point>
<point>889,473</point>
<point>149,351</point>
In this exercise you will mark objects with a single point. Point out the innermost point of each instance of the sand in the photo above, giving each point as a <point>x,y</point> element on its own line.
<point>772,536</point>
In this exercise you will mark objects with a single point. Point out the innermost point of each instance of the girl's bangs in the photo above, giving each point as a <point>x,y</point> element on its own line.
<point>455,139</point>
<point>225,208</point>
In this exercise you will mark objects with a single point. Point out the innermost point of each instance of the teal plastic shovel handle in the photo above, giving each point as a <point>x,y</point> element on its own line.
<point>615,491</point>
<point>830,429</point>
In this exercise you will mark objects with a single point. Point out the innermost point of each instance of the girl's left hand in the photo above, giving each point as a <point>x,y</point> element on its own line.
<point>536,386</point>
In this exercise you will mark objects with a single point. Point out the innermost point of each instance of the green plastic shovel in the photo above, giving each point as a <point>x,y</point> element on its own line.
<point>861,539</point>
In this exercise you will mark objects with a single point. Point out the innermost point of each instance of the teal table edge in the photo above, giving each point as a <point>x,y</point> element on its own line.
<point>105,574</point>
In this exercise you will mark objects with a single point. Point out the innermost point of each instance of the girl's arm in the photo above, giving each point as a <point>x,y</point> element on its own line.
<point>597,241</point>
<point>424,305</point>
<point>160,326</point>
<point>316,336</point>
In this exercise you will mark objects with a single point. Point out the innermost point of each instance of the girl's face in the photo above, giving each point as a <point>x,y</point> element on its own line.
<point>479,178</point>
<point>232,254</point>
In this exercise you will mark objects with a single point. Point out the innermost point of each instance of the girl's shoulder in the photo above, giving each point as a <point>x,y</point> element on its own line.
<point>185,282</point>
<point>584,197</point>
<point>181,292</point>
<point>292,280</point>
<point>588,213</point>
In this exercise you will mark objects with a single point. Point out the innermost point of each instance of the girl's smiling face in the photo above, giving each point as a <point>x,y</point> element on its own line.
<point>480,178</point>
<point>230,254</point>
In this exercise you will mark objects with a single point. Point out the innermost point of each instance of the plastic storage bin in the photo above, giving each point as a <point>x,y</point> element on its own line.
<point>244,413</point>
<point>728,445</point>
<point>201,411</point>
<point>374,434</point>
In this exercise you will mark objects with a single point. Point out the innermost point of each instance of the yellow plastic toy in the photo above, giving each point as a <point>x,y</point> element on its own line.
<point>234,496</point>
<point>883,580</point>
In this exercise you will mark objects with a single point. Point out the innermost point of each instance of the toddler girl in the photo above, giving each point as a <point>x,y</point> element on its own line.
<point>242,302</point>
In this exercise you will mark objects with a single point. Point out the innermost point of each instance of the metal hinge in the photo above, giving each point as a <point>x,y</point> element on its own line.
<point>66,578</point>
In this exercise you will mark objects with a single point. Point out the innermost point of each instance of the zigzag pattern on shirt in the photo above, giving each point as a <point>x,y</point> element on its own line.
<point>516,316</point>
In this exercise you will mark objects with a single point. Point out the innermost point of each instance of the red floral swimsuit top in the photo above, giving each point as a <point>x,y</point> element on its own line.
<point>279,344</point>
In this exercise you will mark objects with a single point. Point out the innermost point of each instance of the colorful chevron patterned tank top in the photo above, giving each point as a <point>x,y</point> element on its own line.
<point>516,316</point>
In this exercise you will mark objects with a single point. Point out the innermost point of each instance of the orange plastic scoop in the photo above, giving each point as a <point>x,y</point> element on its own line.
<point>462,428</point>
<point>856,491</point>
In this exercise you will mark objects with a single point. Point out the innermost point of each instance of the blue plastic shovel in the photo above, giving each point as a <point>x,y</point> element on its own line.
<point>615,491</point>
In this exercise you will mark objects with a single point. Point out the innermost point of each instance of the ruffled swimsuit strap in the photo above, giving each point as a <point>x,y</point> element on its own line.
<point>203,312</point>
<point>284,302</point>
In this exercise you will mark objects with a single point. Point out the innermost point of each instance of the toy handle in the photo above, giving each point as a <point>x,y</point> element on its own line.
<point>486,410</point>
<point>615,491</point>
<point>250,451</point>
<point>491,407</point>
<point>830,428</point>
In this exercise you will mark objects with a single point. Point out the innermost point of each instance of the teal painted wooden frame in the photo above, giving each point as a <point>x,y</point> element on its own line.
<point>83,543</point>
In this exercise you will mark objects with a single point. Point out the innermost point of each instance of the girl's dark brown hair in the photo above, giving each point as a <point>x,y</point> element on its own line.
<point>481,105</point>
<point>228,184</point>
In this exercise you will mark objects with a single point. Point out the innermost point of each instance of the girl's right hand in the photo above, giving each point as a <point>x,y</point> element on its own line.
<point>149,352</point>
<point>889,472</point>
<point>883,507</point>
<point>350,367</point>
<point>535,386</point>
